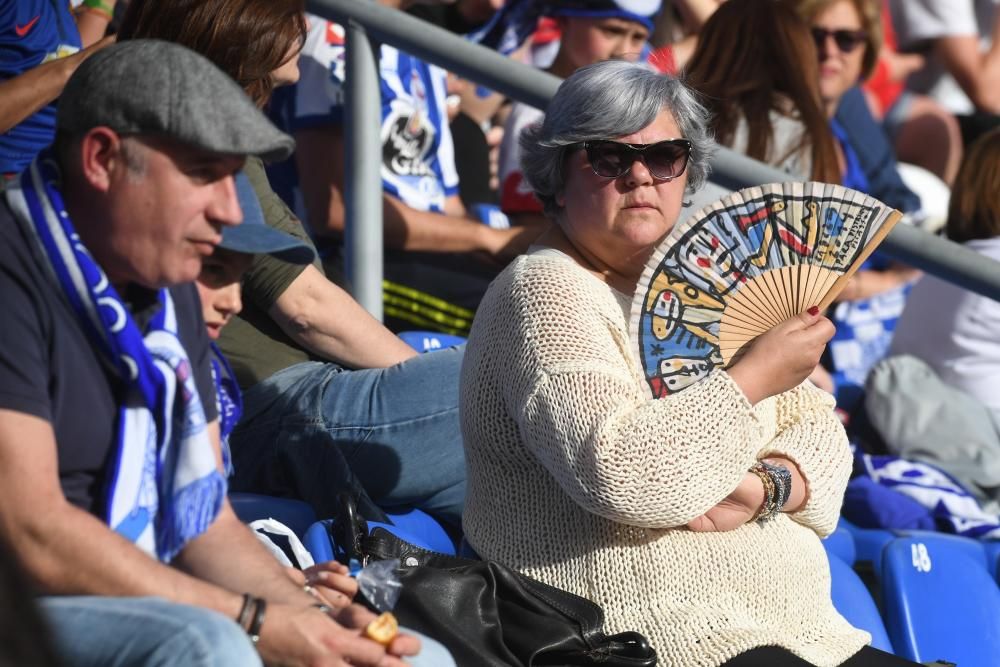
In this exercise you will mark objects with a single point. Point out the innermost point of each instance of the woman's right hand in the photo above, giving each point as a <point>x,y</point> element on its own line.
<point>783,357</point>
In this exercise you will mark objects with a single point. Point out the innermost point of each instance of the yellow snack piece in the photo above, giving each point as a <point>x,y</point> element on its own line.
<point>383,629</point>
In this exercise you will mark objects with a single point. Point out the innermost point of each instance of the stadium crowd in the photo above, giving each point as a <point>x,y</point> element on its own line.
<point>179,325</point>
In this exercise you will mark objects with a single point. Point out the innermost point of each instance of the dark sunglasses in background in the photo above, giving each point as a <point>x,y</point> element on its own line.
<point>846,40</point>
<point>665,160</point>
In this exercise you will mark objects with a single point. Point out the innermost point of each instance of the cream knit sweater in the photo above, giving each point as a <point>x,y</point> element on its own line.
<point>579,480</point>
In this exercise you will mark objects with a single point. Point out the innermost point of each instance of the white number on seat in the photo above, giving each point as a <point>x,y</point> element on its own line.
<point>921,559</point>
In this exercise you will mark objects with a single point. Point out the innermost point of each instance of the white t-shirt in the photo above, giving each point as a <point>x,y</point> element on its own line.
<point>418,156</point>
<point>918,21</point>
<point>956,332</point>
<point>516,195</point>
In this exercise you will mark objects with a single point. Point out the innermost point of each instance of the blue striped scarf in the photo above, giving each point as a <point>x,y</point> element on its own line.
<point>162,485</point>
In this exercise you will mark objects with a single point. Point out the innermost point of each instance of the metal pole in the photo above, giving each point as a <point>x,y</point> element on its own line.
<point>363,176</point>
<point>453,53</point>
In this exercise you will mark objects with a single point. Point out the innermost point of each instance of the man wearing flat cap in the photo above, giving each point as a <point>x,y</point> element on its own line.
<point>110,483</point>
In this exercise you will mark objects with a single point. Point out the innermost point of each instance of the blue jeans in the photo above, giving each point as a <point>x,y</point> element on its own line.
<point>150,632</point>
<point>315,429</point>
<point>146,632</point>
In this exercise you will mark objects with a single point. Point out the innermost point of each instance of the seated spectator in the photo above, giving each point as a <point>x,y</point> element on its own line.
<point>923,132</point>
<point>439,257</point>
<point>40,44</point>
<point>848,39</point>
<point>333,400</point>
<point>957,39</point>
<point>763,93</point>
<point>952,330</point>
<point>599,31</point>
<point>848,36</point>
<point>654,508</point>
<point>111,489</point>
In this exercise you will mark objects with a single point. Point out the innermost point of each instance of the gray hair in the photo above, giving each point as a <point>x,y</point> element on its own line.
<point>606,100</point>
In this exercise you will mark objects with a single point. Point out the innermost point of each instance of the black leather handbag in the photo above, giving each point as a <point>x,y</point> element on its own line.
<point>489,615</point>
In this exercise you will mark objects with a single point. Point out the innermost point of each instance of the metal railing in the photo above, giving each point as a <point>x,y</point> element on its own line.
<point>363,190</point>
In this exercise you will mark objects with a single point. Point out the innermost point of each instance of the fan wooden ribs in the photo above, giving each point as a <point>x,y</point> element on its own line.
<point>740,266</point>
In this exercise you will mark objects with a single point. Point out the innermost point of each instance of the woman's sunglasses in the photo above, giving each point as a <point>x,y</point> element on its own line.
<point>846,40</point>
<point>665,160</point>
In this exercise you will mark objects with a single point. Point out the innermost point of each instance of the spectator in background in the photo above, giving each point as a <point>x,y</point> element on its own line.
<point>848,36</point>
<point>763,92</point>
<point>589,32</point>
<point>439,258</point>
<point>960,41</point>
<point>111,488</point>
<point>954,331</point>
<point>333,400</point>
<point>922,131</point>
<point>40,44</point>
<point>676,30</point>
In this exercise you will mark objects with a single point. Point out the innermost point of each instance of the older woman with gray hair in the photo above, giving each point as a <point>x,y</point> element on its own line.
<point>653,508</point>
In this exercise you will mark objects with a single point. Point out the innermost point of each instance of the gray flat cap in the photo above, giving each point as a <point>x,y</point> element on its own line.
<point>147,86</point>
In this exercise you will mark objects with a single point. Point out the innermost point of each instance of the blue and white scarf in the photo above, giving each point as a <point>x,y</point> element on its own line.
<point>163,487</point>
<point>952,506</point>
<point>229,402</point>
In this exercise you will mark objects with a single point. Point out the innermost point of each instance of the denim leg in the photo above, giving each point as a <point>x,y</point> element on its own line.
<point>144,632</point>
<point>315,429</point>
<point>398,428</point>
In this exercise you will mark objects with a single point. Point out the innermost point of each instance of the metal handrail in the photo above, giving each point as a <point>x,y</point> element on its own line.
<point>940,257</point>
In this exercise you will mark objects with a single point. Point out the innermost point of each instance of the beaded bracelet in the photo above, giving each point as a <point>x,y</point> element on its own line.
<point>777,481</point>
<point>769,507</point>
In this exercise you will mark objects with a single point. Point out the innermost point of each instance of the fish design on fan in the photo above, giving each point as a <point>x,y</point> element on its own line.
<point>738,267</point>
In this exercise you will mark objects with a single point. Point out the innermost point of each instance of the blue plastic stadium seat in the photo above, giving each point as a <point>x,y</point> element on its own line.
<point>429,341</point>
<point>939,601</point>
<point>992,551</point>
<point>295,514</point>
<point>854,602</point>
<point>868,542</point>
<point>414,526</point>
<point>840,543</point>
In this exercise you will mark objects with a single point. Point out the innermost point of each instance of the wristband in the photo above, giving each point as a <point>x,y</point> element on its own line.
<point>99,7</point>
<point>258,620</point>
<point>244,616</point>
<point>490,215</point>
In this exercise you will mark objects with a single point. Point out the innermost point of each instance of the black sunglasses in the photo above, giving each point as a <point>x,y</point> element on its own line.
<point>666,160</point>
<point>846,40</point>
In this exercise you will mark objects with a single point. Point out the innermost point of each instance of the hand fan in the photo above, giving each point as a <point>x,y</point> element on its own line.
<point>738,267</point>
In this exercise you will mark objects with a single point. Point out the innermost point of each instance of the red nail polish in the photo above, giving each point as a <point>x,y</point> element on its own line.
<point>813,310</point>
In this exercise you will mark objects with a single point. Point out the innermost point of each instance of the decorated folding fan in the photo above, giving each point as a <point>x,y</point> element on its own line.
<point>740,266</point>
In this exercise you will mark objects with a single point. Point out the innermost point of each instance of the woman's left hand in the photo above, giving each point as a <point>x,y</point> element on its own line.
<point>735,510</point>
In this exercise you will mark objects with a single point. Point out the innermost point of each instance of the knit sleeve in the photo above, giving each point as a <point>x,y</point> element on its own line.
<point>581,411</point>
<point>809,433</point>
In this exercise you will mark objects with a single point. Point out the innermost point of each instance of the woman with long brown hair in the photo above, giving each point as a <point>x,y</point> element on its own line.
<point>256,43</point>
<point>756,68</point>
